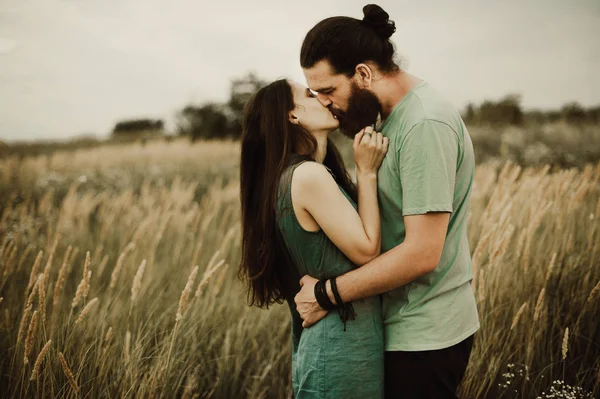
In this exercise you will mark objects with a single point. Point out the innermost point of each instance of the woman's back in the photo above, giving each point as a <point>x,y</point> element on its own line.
<point>326,358</point>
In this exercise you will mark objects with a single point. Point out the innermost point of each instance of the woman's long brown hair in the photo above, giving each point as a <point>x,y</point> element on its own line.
<point>270,143</point>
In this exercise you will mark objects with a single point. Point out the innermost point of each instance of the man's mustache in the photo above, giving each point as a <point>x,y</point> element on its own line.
<point>338,113</point>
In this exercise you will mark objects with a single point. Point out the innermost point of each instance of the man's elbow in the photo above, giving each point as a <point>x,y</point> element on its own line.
<point>427,267</point>
<point>429,260</point>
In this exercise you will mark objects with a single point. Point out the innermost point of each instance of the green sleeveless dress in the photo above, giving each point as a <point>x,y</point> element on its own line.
<point>328,362</point>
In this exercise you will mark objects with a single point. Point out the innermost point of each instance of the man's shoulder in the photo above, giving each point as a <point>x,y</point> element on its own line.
<point>434,106</point>
<point>424,104</point>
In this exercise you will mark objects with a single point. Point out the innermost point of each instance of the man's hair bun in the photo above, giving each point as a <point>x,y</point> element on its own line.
<point>379,20</point>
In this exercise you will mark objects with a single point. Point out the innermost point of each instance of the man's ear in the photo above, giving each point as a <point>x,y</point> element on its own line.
<point>363,74</point>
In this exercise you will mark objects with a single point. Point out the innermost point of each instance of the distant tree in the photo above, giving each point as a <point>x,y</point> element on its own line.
<point>507,111</point>
<point>553,116</point>
<point>470,113</point>
<point>241,90</point>
<point>208,121</point>
<point>511,109</point>
<point>4,149</point>
<point>535,116</point>
<point>136,127</point>
<point>574,113</point>
<point>213,120</point>
<point>593,115</point>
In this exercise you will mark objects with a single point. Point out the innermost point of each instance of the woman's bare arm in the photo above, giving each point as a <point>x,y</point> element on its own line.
<point>356,234</point>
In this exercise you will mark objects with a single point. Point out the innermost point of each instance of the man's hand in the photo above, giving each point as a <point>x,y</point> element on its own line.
<point>306,303</point>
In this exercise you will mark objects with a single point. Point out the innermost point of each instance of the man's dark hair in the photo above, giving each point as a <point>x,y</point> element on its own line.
<point>346,42</point>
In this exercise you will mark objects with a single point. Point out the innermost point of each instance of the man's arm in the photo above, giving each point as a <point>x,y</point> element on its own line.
<point>416,256</point>
<point>427,162</point>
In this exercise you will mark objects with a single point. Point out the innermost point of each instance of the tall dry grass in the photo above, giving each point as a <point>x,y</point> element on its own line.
<point>118,284</point>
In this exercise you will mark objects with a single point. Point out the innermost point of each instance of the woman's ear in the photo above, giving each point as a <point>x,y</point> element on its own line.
<point>363,75</point>
<point>293,118</point>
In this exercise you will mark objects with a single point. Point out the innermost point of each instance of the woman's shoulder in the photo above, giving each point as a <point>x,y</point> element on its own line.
<point>304,176</point>
<point>312,174</point>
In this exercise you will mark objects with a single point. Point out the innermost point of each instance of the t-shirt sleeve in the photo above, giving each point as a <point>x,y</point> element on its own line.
<point>427,160</point>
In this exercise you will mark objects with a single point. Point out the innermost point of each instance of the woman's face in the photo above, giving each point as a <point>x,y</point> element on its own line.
<point>309,112</point>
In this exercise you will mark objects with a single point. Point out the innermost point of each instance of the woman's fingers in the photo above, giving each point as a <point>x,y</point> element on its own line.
<point>370,148</point>
<point>368,135</point>
<point>366,138</point>
<point>357,138</point>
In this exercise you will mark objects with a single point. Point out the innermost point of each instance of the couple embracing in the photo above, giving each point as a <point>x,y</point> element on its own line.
<point>376,271</point>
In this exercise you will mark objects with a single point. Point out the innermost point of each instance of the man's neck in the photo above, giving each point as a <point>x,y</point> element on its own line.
<point>392,89</point>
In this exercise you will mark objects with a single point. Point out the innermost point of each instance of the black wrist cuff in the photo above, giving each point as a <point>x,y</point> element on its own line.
<point>322,297</point>
<point>346,309</point>
<point>336,294</point>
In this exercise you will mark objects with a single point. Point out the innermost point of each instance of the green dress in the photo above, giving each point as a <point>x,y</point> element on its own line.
<point>328,362</point>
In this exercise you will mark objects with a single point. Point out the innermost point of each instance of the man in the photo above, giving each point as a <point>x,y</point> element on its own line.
<point>424,184</point>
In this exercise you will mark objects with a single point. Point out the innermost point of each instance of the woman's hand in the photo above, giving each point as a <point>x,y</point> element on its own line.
<point>369,150</point>
<point>306,303</point>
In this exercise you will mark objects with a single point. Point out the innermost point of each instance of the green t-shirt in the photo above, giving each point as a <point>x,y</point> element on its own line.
<point>429,167</point>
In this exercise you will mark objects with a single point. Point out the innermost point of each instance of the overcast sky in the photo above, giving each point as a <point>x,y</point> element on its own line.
<point>70,67</point>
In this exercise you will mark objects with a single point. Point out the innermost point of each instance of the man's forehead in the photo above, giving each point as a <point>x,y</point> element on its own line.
<point>320,76</point>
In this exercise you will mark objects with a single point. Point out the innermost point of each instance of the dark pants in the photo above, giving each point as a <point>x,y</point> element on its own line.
<point>426,374</point>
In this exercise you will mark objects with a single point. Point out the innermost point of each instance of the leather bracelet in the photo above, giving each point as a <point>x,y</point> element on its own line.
<point>336,294</point>
<point>321,295</point>
<point>346,310</point>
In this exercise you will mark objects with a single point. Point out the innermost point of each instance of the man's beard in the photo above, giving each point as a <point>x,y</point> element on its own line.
<point>363,109</point>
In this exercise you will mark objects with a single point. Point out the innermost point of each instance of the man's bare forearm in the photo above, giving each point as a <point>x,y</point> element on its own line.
<point>395,268</point>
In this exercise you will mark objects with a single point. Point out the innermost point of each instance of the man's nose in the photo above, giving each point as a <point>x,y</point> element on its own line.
<point>323,99</point>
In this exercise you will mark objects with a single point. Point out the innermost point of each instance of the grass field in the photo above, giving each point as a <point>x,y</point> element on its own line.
<point>118,264</point>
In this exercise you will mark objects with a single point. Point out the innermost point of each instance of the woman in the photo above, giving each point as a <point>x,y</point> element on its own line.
<point>299,216</point>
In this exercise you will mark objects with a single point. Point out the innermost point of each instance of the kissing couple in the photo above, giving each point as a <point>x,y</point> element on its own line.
<point>376,270</point>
